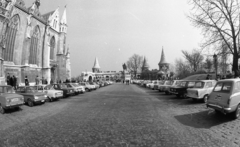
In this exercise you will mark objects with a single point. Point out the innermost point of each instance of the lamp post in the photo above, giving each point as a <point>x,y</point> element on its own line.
<point>215,63</point>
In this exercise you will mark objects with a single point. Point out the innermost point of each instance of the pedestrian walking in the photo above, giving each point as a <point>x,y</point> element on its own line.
<point>26,81</point>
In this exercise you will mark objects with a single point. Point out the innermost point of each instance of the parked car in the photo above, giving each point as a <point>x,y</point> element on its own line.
<point>87,86</point>
<point>201,90</point>
<point>225,97</point>
<point>166,88</point>
<point>31,95</point>
<point>181,89</point>
<point>66,90</point>
<point>51,93</point>
<point>77,88</point>
<point>162,85</point>
<point>93,85</point>
<point>9,99</point>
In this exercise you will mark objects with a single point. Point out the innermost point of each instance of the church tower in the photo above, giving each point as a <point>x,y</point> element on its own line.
<point>96,67</point>
<point>163,65</point>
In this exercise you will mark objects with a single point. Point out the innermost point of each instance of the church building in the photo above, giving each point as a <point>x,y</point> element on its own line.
<point>33,44</point>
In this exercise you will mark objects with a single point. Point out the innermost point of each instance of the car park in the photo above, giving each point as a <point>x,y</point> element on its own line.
<point>66,90</point>
<point>201,90</point>
<point>166,88</point>
<point>31,95</point>
<point>225,97</point>
<point>77,88</point>
<point>162,85</point>
<point>9,99</point>
<point>87,86</point>
<point>181,89</point>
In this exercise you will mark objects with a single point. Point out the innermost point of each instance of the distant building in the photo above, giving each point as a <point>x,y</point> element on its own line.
<point>98,75</point>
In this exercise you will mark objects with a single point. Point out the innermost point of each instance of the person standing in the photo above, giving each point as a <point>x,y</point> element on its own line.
<point>11,81</point>
<point>37,80</point>
<point>8,79</point>
<point>14,82</point>
<point>26,81</point>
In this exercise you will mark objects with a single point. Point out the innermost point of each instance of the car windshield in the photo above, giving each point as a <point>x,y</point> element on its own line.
<point>191,84</point>
<point>223,87</point>
<point>169,82</point>
<point>74,84</point>
<point>183,83</point>
<point>48,87</point>
<point>7,89</point>
<point>199,85</point>
<point>31,89</point>
<point>62,86</point>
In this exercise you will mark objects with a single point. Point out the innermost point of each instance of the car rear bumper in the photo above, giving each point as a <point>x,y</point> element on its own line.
<point>219,108</point>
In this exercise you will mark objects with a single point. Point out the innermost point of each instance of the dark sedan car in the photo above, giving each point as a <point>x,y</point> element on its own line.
<point>67,91</point>
<point>31,95</point>
<point>181,89</point>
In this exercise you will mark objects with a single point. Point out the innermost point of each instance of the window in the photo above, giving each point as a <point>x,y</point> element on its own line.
<point>52,47</point>
<point>34,46</point>
<point>191,84</point>
<point>223,87</point>
<point>198,85</point>
<point>11,33</point>
<point>209,84</point>
<point>237,87</point>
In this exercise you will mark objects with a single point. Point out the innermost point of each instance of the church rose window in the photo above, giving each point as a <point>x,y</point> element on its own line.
<point>52,47</point>
<point>34,46</point>
<point>11,33</point>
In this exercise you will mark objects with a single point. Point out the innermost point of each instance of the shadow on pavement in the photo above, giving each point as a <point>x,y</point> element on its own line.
<point>203,119</point>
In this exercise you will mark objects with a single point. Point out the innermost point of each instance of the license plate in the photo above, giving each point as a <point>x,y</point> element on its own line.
<point>14,100</point>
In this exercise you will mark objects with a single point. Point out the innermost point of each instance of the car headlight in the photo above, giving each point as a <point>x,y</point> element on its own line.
<point>45,96</point>
<point>35,97</point>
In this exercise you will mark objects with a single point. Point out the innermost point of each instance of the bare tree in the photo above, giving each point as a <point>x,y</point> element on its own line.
<point>134,63</point>
<point>194,59</point>
<point>219,20</point>
<point>182,69</point>
<point>208,64</point>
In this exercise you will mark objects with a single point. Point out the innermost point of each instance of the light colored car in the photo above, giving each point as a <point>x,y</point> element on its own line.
<point>81,89</point>
<point>225,97</point>
<point>88,87</point>
<point>51,93</point>
<point>9,99</point>
<point>166,88</point>
<point>201,90</point>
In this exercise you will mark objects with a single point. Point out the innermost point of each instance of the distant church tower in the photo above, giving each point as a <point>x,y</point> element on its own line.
<point>163,65</point>
<point>96,67</point>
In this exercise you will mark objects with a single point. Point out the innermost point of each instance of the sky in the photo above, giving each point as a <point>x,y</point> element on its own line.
<point>114,30</point>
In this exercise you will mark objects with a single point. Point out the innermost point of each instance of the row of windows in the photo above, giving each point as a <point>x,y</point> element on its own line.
<point>11,33</point>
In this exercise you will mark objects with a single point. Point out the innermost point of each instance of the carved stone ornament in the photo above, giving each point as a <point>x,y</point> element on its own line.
<point>29,26</point>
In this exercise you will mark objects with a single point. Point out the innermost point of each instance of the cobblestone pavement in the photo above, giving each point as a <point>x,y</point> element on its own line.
<point>118,115</point>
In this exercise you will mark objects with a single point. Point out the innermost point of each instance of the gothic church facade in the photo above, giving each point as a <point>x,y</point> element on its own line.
<point>32,44</point>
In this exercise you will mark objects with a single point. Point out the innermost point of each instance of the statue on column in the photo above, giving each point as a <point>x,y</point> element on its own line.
<point>29,26</point>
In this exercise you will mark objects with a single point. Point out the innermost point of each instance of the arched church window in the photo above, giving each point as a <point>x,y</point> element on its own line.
<point>11,33</point>
<point>34,46</point>
<point>52,47</point>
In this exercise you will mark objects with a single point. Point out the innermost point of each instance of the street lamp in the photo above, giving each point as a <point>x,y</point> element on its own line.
<point>215,63</point>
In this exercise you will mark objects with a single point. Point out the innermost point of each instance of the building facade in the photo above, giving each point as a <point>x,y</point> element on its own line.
<point>32,44</point>
<point>98,75</point>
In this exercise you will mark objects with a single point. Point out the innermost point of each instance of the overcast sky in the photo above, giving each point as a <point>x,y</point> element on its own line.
<point>114,30</point>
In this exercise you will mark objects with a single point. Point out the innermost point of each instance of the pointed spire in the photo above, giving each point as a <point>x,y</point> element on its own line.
<point>96,64</point>
<point>64,16</point>
<point>162,60</point>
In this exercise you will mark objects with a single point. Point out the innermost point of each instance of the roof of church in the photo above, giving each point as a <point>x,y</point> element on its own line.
<point>96,64</point>
<point>47,15</point>
<point>163,59</point>
<point>64,16</point>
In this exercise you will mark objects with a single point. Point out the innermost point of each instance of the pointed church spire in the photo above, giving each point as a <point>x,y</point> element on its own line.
<point>64,16</point>
<point>162,60</point>
<point>96,64</point>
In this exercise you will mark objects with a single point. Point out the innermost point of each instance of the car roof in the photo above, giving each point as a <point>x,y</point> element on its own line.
<point>229,80</point>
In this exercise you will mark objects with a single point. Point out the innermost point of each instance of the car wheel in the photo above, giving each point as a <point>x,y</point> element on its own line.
<point>2,110</point>
<point>48,99</point>
<point>184,95</point>
<point>205,98</point>
<point>30,103</point>
<point>236,113</point>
